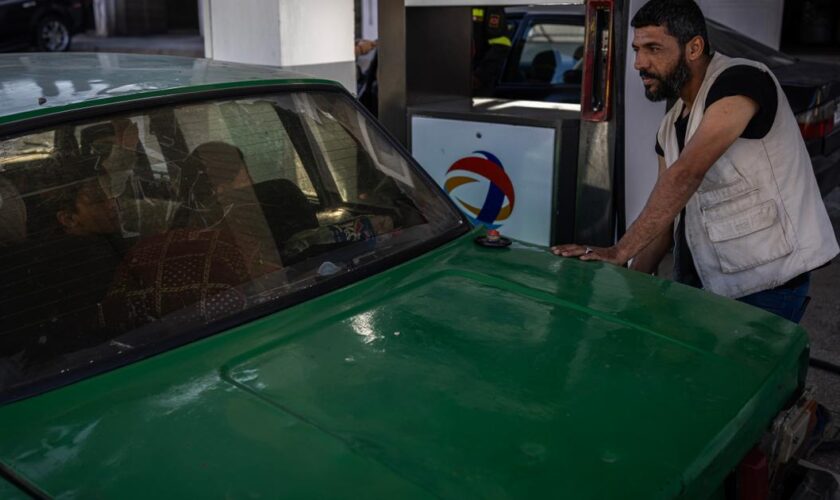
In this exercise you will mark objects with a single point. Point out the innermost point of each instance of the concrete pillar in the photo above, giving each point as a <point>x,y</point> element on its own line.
<point>370,19</point>
<point>310,37</point>
<point>104,12</point>
<point>201,20</point>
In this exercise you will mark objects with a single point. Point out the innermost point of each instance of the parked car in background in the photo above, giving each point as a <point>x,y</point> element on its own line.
<point>48,25</point>
<point>221,280</point>
<point>547,49</point>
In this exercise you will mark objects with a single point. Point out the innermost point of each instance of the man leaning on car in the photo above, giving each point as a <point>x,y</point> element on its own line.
<point>736,188</point>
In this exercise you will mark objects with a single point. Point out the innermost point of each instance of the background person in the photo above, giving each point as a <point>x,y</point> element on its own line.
<point>492,58</point>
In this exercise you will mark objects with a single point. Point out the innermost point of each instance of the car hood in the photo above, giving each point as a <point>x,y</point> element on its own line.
<point>467,372</point>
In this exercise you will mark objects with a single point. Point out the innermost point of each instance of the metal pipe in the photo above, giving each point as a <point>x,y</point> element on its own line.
<point>824,365</point>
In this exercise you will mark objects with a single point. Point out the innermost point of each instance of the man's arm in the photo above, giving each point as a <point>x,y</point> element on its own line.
<point>647,261</point>
<point>723,122</point>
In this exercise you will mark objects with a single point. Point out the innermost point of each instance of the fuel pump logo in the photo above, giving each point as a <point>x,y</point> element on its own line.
<point>483,166</point>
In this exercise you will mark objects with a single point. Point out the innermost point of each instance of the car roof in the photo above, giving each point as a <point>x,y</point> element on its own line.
<point>35,84</point>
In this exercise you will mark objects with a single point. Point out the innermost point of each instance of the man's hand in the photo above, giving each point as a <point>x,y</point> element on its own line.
<point>722,124</point>
<point>612,254</point>
<point>364,46</point>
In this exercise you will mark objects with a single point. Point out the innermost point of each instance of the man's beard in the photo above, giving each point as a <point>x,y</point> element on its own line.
<point>670,85</point>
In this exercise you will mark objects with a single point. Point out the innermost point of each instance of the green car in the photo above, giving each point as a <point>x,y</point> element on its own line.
<point>228,281</point>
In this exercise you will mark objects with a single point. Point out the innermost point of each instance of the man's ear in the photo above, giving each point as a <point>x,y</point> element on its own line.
<point>695,48</point>
<point>66,218</point>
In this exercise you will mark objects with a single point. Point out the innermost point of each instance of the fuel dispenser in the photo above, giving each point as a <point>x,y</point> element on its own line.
<point>540,172</point>
<point>599,204</point>
<point>596,102</point>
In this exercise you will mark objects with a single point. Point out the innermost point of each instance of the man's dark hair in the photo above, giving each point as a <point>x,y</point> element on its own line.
<point>58,191</point>
<point>683,19</point>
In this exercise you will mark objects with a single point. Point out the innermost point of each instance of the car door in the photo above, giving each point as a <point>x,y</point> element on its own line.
<point>15,22</point>
<point>545,63</point>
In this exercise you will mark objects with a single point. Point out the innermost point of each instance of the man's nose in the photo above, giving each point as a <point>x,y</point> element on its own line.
<point>640,62</point>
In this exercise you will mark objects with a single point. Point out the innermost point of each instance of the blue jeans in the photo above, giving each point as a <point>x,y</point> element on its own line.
<point>789,303</point>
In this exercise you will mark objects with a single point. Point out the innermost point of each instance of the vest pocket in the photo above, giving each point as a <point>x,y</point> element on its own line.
<point>723,181</point>
<point>732,206</point>
<point>722,194</point>
<point>749,239</point>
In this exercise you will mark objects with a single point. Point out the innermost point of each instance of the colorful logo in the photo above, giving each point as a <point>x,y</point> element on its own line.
<point>483,165</point>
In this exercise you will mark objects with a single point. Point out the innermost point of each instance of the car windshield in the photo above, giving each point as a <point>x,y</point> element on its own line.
<point>551,53</point>
<point>122,234</point>
<point>733,44</point>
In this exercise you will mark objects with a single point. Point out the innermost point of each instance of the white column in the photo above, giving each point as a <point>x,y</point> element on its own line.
<point>641,121</point>
<point>370,19</point>
<point>206,27</point>
<point>104,12</point>
<point>201,21</point>
<point>314,37</point>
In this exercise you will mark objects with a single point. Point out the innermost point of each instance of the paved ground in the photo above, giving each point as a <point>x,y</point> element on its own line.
<point>822,320</point>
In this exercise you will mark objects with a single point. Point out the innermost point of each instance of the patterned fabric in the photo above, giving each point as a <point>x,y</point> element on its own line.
<point>184,275</point>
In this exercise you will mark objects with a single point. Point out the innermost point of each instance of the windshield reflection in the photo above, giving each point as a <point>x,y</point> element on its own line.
<point>123,232</point>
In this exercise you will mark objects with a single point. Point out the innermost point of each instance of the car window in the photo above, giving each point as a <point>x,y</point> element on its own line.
<point>551,52</point>
<point>258,132</point>
<point>123,234</point>
<point>733,44</point>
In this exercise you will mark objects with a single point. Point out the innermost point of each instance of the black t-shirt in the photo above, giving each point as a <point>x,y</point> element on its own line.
<point>742,80</point>
<point>747,81</point>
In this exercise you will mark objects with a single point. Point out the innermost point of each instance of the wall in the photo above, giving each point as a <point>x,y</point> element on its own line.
<point>316,32</point>
<point>314,37</point>
<point>370,19</point>
<point>254,38</point>
<point>641,120</point>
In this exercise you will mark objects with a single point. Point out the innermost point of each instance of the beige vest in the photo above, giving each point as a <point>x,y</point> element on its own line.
<point>758,219</point>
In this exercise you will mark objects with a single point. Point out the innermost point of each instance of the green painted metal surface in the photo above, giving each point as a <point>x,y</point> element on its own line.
<point>37,84</point>
<point>10,492</point>
<point>465,373</point>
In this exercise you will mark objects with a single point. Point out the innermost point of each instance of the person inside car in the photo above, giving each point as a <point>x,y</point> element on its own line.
<point>233,191</point>
<point>543,67</point>
<point>66,266</point>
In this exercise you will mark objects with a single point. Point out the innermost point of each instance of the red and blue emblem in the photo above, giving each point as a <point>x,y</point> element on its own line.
<point>483,165</point>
